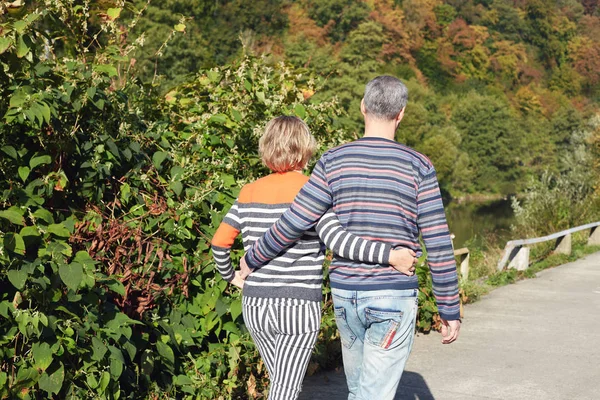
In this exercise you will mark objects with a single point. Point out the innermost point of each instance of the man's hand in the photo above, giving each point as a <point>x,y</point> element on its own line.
<point>450,330</point>
<point>238,280</point>
<point>244,269</point>
<point>404,261</point>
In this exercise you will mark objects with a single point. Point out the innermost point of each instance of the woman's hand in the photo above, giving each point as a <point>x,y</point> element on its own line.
<point>238,280</point>
<point>404,261</point>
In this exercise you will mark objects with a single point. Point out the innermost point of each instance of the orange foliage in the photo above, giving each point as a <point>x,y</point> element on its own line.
<point>508,59</point>
<point>300,24</point>
<point>467,36</point>
<point>397,42</point>
<point>420,21</point>
<point>530,74</point>
<point>461,51</point>
<point>589,25</point>
<point>585,55</point>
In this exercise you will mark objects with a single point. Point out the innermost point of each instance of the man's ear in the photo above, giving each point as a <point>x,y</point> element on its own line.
<point>362,107</point>
<point>400,115</point>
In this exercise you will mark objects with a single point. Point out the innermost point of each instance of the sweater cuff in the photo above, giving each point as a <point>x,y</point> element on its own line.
<point>248,262</point>
<point>450,316</point>
<point>385,258</point>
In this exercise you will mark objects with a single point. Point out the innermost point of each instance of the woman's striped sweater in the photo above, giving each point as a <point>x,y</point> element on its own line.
<point>297,272</point>
<point>380,190</point>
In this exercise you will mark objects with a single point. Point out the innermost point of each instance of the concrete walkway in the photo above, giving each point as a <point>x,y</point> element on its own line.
<point>537,339</point>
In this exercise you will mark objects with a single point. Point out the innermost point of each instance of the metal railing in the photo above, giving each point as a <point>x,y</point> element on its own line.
<point>516,252</point>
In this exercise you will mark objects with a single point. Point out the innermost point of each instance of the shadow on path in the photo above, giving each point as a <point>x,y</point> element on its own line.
<point>332,386</point>
<point>413,387</point>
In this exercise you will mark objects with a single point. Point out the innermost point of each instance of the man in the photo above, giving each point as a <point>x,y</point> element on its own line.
<point>383,191</point>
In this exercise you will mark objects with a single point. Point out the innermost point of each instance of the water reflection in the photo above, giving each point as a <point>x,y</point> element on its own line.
<point>477,219</point>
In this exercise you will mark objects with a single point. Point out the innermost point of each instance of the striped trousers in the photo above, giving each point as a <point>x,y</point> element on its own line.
<point>285,332</point>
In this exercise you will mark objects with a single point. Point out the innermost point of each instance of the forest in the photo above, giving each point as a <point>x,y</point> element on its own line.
<point>500,91</point>
<point>128,128</point>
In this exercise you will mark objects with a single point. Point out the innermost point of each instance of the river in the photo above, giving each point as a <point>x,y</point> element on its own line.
<point>476,220</point>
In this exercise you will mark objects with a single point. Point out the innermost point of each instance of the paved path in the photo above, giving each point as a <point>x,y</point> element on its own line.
<point>537,339</point>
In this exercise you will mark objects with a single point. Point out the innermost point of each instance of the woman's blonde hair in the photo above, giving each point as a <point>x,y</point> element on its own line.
<point>287,144</point>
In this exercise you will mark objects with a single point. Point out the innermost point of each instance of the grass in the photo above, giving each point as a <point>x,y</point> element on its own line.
<point>484,277</point>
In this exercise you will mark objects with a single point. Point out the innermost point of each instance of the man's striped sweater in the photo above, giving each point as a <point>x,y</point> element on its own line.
<point>296,273</point>
<point>380,190</point>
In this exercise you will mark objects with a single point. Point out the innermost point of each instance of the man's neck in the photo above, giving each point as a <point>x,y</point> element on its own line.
<point>380,129</point>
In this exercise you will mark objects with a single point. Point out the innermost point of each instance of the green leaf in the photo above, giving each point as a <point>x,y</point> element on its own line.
<point>30,235</point>
<point>84,258</point>
<point>116,368</point>
<point>300,110</point>
<point>183,380</point>
<point>166,352</point>
<point>100,105</point>
<point>113,13</point>
<point>91,380</point>
<point>106,69</point>
<point>116,286</point>
<point>218,119</point>
<point>19,97</point>
<point>147,360</point>
<point>39,160</point>
<point>177,187</point>
<point>130,349</point>
<point>59,230</point>
<point>179,27</point>
<point>52,383</point>
<point>27,376</point>
<point>214,76</point>
<point>17,278</point>
<point>228,180</point>
<point>158,157</point>
<point>104,381</point>
<point>235,309</point>
<point>177,172</point>
<point>11,151</point>
<point>45,111</point>
<point>71,275</point>
<point>237,116</point>
<point>20,26</point>
<point>5,43</point>
<point>99,349</point>
<point>24,173</point>
<point>14,242</point>
<point>14,215</point>
<point>22,48</point>
<point>42,355</point>
<point>44,215</point>
<point>116,354</point>
<point>3,380</point>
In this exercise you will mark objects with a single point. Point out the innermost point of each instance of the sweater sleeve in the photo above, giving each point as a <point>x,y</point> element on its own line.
<point>348,245</point>
<point>222,241</point>
<point>309,205</point>
<point>431,220</point>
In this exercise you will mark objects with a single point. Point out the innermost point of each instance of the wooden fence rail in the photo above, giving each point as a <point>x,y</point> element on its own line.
<point>516,252</point>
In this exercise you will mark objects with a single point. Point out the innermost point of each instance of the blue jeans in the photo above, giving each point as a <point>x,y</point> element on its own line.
<point>377,329</point>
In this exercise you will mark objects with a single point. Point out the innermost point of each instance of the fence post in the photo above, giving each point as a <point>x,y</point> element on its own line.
<point>594,239</point>
<point>464,267</point>
<point>519,258</point>
<point>563,245</point>
<point>463,256</point>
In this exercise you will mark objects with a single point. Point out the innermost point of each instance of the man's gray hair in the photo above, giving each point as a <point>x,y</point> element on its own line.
<point>385,96</point>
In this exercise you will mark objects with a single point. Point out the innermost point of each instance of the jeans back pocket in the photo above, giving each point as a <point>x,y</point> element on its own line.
<point>382,326</point>
<point>347,335</point>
